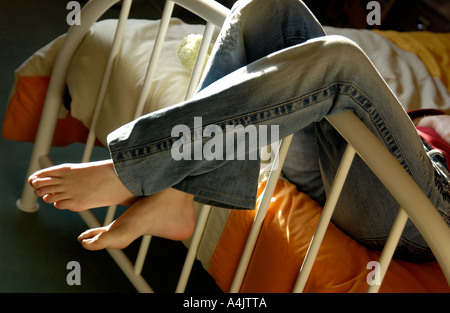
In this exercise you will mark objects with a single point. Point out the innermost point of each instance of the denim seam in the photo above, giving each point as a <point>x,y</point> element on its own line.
<point>403,240</point>
<point>408,245</point>
<point>389,141</point>
<point>219,194</point>
<point>280,109</point>
<point>168,141</point>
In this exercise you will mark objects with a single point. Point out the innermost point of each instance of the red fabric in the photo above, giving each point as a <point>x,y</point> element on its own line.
<point>429,135</point>
<point>434,140</point>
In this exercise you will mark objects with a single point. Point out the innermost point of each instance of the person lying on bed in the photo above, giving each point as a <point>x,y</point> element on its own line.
<point>271,65</point>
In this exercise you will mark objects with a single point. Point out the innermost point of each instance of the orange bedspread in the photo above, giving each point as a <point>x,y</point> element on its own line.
<point>341,264</point>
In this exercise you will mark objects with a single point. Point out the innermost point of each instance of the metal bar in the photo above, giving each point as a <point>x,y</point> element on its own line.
<point>154,58</point>
<point>193,248</point>
<point>117,44</point>
<point>261,214</point>
<point>151,69</point>
<point>200,62</point>
<point>206,209</point>
<point>142,254</point>
<point>325,219</point>
<point>211,11</point>
<point>110,215</point>
<point>389,248</point>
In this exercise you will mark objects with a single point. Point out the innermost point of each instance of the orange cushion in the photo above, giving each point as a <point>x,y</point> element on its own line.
<point>24,112</point>
<point>281,247</point>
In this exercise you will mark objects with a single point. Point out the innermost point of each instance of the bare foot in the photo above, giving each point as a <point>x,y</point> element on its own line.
<point>168,214</point>
<point>82,186</point>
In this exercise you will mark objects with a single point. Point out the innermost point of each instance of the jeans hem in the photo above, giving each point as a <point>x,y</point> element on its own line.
<point>213,198</point>
<point>406,250</point>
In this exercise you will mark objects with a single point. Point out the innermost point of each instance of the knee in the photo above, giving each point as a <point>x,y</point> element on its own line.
<point>279,18</point>
<point>341,50</point>
<point>340,44</point>
<point>263,8</point>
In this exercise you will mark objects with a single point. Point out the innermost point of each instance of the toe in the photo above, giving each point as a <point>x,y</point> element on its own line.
<point>93,244</point>
<point>90,233</point>
<point>93,239</point>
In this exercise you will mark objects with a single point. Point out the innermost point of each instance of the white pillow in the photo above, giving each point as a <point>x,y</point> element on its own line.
<point>39,63</point>
<point>88,64</point>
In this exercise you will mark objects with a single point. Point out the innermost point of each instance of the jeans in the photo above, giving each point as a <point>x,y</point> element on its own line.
<point>273,65</point>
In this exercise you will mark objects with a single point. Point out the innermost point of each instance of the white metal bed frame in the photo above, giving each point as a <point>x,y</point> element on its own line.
<point>415,205</point>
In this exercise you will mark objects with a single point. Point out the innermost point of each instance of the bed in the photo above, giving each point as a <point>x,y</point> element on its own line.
<point>415,65</point>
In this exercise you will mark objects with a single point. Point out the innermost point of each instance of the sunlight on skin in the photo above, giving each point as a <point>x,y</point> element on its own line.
<point>169,213</point>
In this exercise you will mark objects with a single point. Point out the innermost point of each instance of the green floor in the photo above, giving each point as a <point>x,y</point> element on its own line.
<point>36,248</point>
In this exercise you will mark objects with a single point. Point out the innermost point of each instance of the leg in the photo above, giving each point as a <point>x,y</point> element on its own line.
<point>297,100</point>
<point>302,166</point>
<point>142,149</point>
<point>293,88</point>
<point>293,24</point>
<point>288,22</point>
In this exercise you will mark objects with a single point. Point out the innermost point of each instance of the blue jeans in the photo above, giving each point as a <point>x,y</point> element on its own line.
<point>273,65</point>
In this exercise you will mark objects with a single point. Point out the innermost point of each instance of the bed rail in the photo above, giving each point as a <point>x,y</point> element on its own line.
<point>214,15</point>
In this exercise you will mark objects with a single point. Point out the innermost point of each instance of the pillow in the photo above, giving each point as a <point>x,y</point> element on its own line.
<point>84,78</point>
<point>86,70</point>
<point>25,108</point>
<point>27,97</point>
